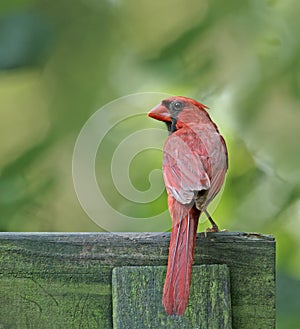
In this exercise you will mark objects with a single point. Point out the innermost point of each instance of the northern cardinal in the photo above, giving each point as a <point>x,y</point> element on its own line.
<point>194,165</point>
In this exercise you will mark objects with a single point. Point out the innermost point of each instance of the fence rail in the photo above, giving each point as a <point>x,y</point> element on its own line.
<point>66,280</point>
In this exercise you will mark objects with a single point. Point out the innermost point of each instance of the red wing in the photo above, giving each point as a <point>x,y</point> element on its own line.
<point>216,184</point>
<point>184,172</point>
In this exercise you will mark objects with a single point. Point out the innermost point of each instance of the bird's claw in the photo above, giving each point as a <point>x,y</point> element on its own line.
<point>214,229</point>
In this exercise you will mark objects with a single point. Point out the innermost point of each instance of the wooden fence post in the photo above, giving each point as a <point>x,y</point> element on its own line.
<point>137,295</point>
<point>66,280</point>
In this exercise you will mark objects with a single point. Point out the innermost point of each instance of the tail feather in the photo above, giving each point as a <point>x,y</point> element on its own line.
<point>180,261</point>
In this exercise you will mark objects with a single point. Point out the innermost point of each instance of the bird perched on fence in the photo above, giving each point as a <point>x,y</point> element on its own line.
<point>194,165</point>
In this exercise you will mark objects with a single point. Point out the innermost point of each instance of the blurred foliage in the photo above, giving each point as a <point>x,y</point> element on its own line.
<point>60,61</point>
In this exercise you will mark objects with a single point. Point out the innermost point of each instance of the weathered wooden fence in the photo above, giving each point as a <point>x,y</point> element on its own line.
<point>105,280</point>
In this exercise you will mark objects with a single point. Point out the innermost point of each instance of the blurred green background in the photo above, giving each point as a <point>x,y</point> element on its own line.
<point>62,60</point>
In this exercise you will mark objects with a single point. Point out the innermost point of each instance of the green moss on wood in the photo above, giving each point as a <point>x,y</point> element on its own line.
<point>137,295</point>
<point>76,269</point>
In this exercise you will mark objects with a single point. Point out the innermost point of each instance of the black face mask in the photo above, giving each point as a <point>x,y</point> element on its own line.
<point>172,125</point>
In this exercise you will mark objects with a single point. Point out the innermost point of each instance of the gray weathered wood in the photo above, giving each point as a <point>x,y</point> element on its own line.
<point>63,280</point>
<point>137,302</point>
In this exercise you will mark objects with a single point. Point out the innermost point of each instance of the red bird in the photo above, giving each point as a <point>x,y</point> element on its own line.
<point>194,166</point>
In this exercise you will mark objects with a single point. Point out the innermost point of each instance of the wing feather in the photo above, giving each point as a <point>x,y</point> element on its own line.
<point>184,170</point>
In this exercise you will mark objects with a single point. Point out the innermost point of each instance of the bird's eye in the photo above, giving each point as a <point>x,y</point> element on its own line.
<point>177,106</point>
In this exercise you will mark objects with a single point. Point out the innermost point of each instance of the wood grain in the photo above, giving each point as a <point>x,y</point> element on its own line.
<point>137,302</point>
<point>63,280</point>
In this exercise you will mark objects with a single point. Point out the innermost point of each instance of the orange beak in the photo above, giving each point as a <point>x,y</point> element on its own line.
<point>160,112</point>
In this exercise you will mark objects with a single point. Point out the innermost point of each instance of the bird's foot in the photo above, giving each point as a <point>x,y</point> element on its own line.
<point>214,229</point>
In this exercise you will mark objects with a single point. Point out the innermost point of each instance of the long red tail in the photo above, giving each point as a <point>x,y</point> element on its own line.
<point>181,255</point>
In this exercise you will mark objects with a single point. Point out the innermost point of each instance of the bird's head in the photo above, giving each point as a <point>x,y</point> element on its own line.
<point>179,111</point>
